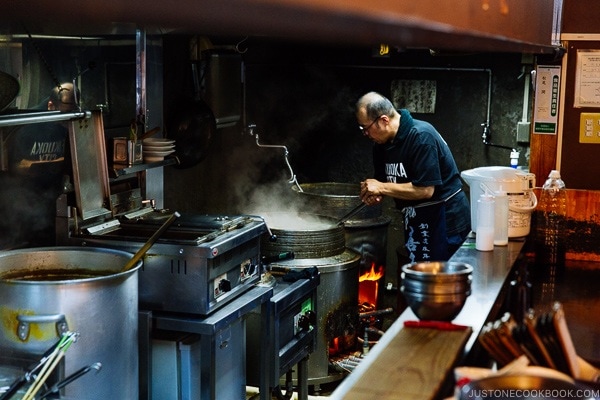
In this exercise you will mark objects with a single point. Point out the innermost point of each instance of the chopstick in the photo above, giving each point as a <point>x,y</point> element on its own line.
<point>50,364</point>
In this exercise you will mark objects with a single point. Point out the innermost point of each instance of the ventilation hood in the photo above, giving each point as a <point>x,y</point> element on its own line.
<point>460,25</point>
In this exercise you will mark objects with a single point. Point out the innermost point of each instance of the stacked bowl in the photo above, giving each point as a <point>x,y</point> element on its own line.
<point>155,149</point>
<point>436,290</point>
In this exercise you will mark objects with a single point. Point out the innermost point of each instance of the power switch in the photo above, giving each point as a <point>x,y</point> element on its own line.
<point>589,128</point>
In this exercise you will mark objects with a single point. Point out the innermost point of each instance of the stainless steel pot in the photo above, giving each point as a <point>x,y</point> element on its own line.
<point>44,291</point>
<point>307,235</point>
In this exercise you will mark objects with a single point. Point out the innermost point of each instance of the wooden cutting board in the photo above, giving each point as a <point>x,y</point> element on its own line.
<point>414,365</point>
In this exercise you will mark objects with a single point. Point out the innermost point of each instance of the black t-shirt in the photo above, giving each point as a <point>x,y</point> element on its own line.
<point>420,155</point>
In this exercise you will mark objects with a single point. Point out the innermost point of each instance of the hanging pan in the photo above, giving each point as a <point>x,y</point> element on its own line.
<point>192,126</point>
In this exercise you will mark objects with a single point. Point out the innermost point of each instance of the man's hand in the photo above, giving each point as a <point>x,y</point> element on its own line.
<point>370,192</point>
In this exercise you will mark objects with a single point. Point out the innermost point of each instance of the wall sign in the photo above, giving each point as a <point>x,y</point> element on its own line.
<point>545,112</point>
<point>417,96</point>
<point>587,79</point>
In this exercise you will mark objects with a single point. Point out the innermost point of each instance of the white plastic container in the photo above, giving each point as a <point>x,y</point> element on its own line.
<point>501,218</point>
<point>484,238</point>
<point>519,188</point>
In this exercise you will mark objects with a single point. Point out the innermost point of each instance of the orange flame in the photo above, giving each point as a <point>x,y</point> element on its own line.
<point>372,275</point>
<point>368,285</point>
<point>334,346</point>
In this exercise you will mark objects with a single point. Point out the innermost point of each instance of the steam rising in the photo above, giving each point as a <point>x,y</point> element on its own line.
<point>282,207</point>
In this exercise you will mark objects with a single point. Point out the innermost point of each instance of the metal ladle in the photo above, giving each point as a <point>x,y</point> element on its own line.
<point>351,213</point>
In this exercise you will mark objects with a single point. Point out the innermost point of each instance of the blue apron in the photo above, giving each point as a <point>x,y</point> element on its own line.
<point>425,234</point>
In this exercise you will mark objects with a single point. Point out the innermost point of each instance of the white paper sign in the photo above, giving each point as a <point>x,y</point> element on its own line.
<point>587,79</point>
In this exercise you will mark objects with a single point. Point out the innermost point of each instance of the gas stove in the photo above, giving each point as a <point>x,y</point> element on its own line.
<point>199,264</point>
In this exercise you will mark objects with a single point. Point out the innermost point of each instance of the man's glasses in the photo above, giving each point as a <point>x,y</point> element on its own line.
<point>365,129</point>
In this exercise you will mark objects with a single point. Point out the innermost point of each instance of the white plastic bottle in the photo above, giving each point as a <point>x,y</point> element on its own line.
<point>501,218</point>
<point>484,237</point>
<point>514,159</point>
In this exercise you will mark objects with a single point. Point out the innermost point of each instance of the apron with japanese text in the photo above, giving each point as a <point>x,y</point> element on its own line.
<point>425,230</point>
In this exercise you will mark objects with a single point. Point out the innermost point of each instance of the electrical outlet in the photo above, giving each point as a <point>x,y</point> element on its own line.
<point>523,131</point>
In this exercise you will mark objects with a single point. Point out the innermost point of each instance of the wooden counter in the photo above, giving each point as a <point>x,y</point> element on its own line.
<point>414,363</point>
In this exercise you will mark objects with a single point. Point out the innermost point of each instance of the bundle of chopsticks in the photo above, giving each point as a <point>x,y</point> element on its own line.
<point>38,374</point>
<point>544,339</point>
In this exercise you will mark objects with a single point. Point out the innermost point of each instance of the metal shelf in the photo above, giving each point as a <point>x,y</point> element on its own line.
<point>118,171</point>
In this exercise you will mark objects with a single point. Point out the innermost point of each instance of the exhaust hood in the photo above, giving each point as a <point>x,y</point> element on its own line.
<point>524,26</point>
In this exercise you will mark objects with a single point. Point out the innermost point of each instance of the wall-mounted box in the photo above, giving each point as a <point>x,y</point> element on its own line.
<point>589,128</point>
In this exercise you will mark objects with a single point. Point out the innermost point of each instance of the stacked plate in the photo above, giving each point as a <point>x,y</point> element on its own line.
<point>155,149</point>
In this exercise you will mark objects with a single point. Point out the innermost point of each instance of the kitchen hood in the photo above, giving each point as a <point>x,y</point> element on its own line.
<point>524,26</point>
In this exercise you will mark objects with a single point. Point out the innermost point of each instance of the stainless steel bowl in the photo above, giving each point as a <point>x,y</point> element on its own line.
<point>436,307</point>
<point>437,271</point>
<point>436,287</point>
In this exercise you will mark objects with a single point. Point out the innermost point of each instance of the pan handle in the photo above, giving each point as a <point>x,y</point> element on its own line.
<point>351,213</point>
<point>26,320</point>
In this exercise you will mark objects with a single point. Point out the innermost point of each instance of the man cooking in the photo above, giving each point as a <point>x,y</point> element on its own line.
<point>414,165</point>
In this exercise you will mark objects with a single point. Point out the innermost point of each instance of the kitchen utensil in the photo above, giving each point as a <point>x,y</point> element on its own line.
<point>76,375</point>
<point>561,331</point>
<point>351,213</point>
<point>157,153</point>
<point>436,271</point>
<point>529,322</point>
<point>158,147</point>
<point>52,362</point>
<point>437,307</point>
<point>158,142</point>
<point>142,251</point>
<point>29,373</point>
<point>441,325</point>
<point>436,290</point>
<point>149,133</point>
<point>39,308</point>
<point>440,287</point>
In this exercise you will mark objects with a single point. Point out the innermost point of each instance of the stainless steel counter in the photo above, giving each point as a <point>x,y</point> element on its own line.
<point>490,272</point>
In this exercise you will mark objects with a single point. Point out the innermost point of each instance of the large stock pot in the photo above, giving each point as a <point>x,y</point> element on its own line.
<point>318,241</point>
<point>46,291</point>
